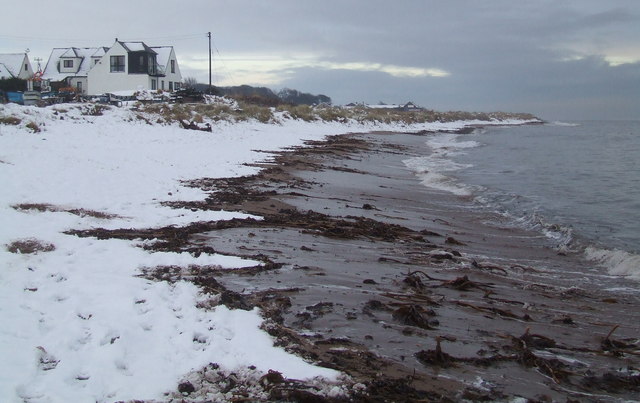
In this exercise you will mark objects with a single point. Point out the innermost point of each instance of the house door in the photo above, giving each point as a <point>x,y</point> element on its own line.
<point>79,87</point>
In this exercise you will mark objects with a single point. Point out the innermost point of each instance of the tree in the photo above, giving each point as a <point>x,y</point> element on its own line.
<point>296,97</point>
<point>190,82</point>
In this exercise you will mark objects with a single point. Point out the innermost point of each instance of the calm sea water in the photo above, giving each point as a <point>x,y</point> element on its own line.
<point>577,182</point>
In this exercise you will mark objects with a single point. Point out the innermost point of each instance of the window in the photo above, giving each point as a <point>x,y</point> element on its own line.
<point>173,66</point>
<point>170,85</point>
<point>154,85</point>
<point>79,86</point>
<point>26,67</point>
<point>162,85</point>
<point>68,64</point>
<point>117,64</point>
<point>152,65</point>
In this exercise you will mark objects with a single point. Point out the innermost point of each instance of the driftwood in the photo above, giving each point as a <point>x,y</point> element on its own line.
<point>616,347</point>
<point>412,298</point>
<point>501,312</point>
<point>195,126</point>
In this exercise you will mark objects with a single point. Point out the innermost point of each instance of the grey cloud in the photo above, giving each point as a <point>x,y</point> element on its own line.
<point>543,56</point>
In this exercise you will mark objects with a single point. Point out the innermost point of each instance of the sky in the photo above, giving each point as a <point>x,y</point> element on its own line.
<point>558,59</point>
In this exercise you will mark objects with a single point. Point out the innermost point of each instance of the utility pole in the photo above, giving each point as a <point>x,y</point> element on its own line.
<point>210,89</point>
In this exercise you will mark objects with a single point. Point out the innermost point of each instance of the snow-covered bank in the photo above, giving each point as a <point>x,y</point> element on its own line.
<point>77,324</point>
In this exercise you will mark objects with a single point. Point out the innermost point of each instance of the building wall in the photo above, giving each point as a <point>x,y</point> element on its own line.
<point>101,80</point>
<point>82,88</point>
<point>26,72</point>
<point>173,77</point>
<point>70,70</point>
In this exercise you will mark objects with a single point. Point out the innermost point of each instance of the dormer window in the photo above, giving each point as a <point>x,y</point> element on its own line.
<point>68,64</point>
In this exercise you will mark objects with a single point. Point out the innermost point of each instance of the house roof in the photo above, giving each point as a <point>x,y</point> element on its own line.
<point>52,69</point>
<point>4,72</point>
<point>136,47</point>
<point>12,62</point>
<point>70,52</point>
<point>164,54</point>
<point>100,52</point>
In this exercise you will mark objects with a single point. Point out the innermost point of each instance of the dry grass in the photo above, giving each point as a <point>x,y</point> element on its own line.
<point>34,127</point>
<point>263,114</point>
<point>10,120</point>
<point>29,246</point>
<point>94,110</point>
<point>44,207</point>
<point>246,110</point>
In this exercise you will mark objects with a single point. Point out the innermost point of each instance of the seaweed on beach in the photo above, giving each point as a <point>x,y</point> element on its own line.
<point>45,207</point>
<point>414,315</point>
<point>614,382</point>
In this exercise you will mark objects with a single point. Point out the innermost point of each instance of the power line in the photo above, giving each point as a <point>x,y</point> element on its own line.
<point>85,39</point>
<point>227,70</point>
<point>171,37</point>
<point>43,39</point>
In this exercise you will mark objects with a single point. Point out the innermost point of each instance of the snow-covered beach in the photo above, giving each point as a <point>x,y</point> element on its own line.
<point>77,322</point>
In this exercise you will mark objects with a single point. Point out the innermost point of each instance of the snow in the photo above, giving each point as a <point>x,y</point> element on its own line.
<point>134,46</point>
<point>82,64</point>
<point>78,324</point>
<point>11,63</point>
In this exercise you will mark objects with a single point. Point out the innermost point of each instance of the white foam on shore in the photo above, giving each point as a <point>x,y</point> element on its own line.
<point>431,169</point>
<point>617,262</point>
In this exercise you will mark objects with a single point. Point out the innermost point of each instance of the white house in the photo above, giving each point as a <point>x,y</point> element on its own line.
<point>70,66</point>
<point>15,65</point>
<point>130,66</point>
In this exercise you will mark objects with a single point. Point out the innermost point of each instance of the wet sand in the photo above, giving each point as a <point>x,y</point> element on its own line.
<point>415,293</point>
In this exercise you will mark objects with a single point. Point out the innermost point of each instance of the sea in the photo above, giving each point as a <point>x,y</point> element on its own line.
<point>578,183</point>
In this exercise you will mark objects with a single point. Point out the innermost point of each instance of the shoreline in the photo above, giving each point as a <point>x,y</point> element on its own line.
<point>376,276</point>
<point>370,278</point>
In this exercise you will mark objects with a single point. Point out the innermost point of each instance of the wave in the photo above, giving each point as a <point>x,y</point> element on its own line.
<point>447,142</point>
<point>442,182</point>
<point>437,171</point>
<point>522,212</point>
<point>563,124</point>
<point>431,169</point>
<point>617,262</point>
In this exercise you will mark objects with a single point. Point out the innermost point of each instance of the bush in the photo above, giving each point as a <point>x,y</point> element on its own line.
<point>262,114</point>
<point>94,110</point>
<point>304,112</point>
<point>13,84</point>
<point>34,127</point>
<point>332,114</point>
<point>10,120</point>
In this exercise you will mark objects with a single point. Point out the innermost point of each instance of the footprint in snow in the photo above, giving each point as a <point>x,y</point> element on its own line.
<point>46,361</point>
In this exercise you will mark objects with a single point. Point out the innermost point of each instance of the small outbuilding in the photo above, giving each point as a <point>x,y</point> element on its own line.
<point>15,65</point>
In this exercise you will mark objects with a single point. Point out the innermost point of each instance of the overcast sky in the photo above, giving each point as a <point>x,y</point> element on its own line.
<point>559,59</point>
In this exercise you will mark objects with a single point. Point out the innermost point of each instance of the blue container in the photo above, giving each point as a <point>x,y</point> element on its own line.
<point>15,97</point>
